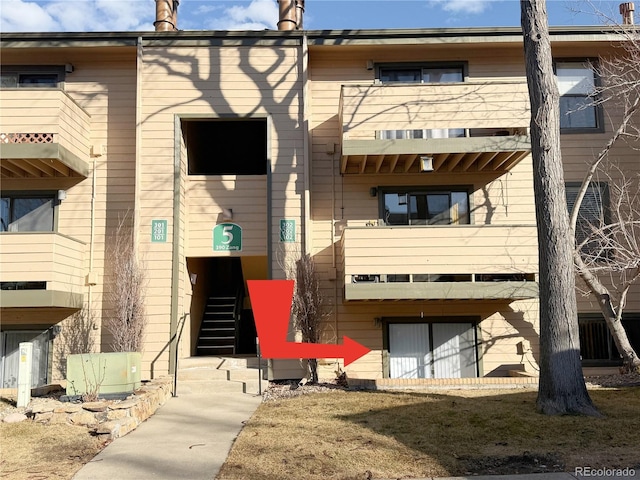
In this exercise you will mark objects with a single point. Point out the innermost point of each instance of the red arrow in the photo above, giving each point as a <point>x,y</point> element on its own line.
<point>271,302</point>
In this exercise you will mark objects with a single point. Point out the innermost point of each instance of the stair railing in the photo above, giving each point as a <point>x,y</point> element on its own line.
<point>175,375</point>
<point>237,313</point>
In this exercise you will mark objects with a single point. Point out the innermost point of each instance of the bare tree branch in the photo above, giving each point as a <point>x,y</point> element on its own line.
<point>613,251</point>
<point>126,321</point>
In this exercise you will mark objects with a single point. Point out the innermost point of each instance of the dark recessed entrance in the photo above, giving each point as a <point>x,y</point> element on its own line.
<point>221,323</point>
<point>226,147</point>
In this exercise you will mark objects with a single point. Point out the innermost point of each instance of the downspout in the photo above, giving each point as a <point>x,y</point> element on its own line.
<point>306,151</point>
<point>269,212</point>
<point>175,257</point>
<point>336,281</point>
<point>92,235</point>
<point>138,160</point>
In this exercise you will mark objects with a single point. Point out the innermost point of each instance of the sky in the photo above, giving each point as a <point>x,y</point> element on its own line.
<point>127,15</point>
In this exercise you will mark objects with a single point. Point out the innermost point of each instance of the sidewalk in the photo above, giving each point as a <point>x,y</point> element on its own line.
<point>188,438</point>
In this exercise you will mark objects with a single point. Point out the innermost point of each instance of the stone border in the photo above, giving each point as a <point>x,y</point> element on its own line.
<point>114,418</point>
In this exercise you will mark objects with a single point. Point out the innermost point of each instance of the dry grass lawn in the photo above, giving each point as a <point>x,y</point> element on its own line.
<point>356,435</point>
<point>346,435</point>
<point>32,451</point>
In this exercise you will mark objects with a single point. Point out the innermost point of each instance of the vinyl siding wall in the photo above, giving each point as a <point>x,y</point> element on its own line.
<point>578,150</point>
<point>505,200</point>
<point>202,82</point>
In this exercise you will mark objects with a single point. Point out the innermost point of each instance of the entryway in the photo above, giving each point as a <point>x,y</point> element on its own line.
<point>432,350</point>
<point>221,315</point>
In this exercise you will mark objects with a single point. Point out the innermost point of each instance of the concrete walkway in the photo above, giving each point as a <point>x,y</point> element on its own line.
<point>188,438</point>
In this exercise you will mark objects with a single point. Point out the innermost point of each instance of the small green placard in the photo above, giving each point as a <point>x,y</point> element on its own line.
<point>287,231</point>
<point>227,237</point>
<point>158,230</point>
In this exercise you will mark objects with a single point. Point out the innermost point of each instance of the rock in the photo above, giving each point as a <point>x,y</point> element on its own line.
<point>14,418</point>
<point>43,406</point>
<point>58,419</point>
<point>68,408</point>
<point>95,406</point>
<point>117,428</point>
<point>131,402</point>
<point>116,414</point>
<point>43,417</point>
<point>83,418</point>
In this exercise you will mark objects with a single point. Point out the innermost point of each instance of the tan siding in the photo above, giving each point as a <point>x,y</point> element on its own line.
<point>367,109</point>
<point>46,111</point>
<point>43,257</point>
<point>214,82</point>
<point>504,200</point>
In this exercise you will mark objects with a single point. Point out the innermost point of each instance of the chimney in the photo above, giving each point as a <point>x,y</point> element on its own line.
<point>166,15</point>
<point>626,10</point>
<point>288,14</point>
<point>299,14</point>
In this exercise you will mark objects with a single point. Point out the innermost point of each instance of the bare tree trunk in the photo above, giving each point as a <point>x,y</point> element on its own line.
<point>613,319</point>
<point>561,389</point>
<point>307,306</point>
<point>615,75</point>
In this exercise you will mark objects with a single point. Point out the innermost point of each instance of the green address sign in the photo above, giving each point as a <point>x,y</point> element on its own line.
<point>227,237</point>
<point>158,231</point>
<point>287,231</point>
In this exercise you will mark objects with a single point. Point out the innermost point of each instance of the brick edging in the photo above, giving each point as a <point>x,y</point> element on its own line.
<point>470,383</point>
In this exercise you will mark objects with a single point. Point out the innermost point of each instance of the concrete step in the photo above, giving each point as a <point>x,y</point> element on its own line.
<point>212,386</point>
<point>205,374</point>
<point>202,374</point>
<point>222,362</point>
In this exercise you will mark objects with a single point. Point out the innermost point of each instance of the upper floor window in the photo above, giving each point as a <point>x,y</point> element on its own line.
<point>591,216</point>
<point>26,213</point>
<point>424,133</point>
<point>425,207</point>
<point>416,73</point>
<point>576,82</point>
<point>32,76</point>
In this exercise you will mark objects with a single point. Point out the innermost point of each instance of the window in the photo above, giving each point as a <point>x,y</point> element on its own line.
<point>26,213</point>
<point>597,347</point>
<point>425,133</point>
<point>32,76</point>
<point>576,82</point>
<point>416,73</point>
<point>431,350</point>
<point>596,344</point>
<point>592,214</point>
<point>425,207</point>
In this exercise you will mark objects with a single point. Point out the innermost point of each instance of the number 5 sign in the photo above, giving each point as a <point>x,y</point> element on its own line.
<point>227,237</point>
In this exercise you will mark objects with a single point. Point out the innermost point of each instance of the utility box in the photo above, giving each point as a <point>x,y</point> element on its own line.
<point>103,373</point>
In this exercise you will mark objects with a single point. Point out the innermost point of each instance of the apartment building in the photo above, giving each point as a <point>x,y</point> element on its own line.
<point>399,159</point>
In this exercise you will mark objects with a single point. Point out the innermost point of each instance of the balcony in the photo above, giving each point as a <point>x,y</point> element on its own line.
<point>493,118</point>
<point>41,269</point>
<point>465,262</point>
<point>43,133</point>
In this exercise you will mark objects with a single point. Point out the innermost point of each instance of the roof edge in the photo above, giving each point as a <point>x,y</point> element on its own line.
<point>316,37</point>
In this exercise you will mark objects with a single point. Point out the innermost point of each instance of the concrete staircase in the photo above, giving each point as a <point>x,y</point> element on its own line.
<point>217,334</point>
<point>220,374</point>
